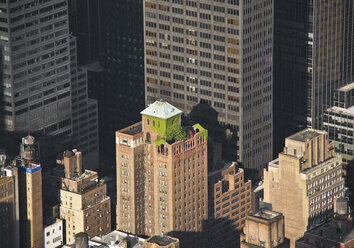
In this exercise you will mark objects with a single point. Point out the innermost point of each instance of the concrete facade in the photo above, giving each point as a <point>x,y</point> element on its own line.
<point>303,182</point>
<point>161,185</point>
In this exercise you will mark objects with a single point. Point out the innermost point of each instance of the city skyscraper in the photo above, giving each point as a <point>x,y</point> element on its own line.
<point>304,181</point>
<point>215,57</point>
<point>120,89</point>
<point>39,69</point>
<point>313,56</point>
<point>161,173</point>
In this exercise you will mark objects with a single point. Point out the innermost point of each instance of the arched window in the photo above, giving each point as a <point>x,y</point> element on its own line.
<point>148,137</point>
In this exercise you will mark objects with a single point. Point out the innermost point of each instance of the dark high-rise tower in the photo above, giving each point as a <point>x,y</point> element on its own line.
<point>121,92</point>
<point>313,56</point>
<point>84,23</point>
<point>213,60</point>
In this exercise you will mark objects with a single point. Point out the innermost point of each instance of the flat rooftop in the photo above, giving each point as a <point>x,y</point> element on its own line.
<point>307,134</point>
<point>339,110</point>
<point>265,214</point>
<point>134,130</point>
<point>85,175</point>
<point>347,87</point>
<point>162,240</point>
<point>330,231</point>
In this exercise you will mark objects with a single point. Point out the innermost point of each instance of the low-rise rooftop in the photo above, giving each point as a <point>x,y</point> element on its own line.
<point>162,240</point>
<point>307,134</point>
<point>132,130</point>
<point>265,214</point>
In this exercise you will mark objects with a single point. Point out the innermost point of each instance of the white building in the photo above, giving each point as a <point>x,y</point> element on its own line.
<point>53,234</point>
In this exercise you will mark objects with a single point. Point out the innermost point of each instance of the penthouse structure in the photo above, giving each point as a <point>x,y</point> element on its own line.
<point>264,228</point>
<point>161,173</point>
<point>84,206</point>
<point>303,181</point>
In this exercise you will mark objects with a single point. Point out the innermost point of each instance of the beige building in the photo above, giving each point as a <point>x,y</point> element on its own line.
<point>31,208</point>
<point>84,206</point>
<point>161,173</point>
<point>264,228</point>
<point>304,181</point>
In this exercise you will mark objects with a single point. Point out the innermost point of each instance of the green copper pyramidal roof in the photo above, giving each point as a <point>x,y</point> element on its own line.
<point>161,109</point>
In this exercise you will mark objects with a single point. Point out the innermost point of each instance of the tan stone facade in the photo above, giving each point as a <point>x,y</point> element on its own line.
<point>264,228</point>
<point>161,186</point>
<point>303,182</point>
<point>84,206</point>
<point>31,207</point>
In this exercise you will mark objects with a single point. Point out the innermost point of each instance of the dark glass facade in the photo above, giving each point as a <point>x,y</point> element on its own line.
<point>122,96</point>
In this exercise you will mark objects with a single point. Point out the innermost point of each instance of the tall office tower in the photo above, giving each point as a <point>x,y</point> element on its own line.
<point>318,33</point>
<point>303,182</point>
<point>30,194</point>
<point>121,91</point>
<point>215,57</point>
<point>231,204</point>
<point>84,204</point>
<point>9,205</point>
<point>84,24</point>
<point>161,173</point>
<point>36,64</point>
<point>264,228</point>
<point>84,113</point>
<point>290,69</point>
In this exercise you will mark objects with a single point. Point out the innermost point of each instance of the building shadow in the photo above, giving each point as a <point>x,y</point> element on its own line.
<point>215,233</point>
<point>218,134</point>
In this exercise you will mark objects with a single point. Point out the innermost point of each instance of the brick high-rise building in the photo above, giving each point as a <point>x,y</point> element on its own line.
<point>84,206</point>
<point>303,182</point>
<point>161,173</point>
<point>231,204</point>
<point>9,205</point>
<point>216,57</point>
